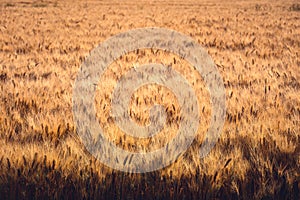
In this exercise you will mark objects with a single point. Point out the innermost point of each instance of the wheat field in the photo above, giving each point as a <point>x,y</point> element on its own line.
<point>255,46</point>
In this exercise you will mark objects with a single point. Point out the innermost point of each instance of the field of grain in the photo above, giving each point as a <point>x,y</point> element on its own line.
<point>255,46</point>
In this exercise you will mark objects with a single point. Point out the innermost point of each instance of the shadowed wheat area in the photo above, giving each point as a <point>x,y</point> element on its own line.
<point>255,46</point>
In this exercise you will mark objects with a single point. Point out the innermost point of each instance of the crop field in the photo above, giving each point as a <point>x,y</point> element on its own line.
<point>255,46</point>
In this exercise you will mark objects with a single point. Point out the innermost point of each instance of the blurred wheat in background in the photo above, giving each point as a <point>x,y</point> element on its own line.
<point>255,46</point>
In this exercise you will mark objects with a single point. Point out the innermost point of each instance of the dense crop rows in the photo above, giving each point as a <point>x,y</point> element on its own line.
<point>255,46</point>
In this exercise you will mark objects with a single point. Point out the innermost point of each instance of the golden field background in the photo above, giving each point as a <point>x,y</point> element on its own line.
<point>255,45</point>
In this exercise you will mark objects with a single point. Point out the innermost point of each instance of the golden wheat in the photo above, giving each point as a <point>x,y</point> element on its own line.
<point>255,46</point>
